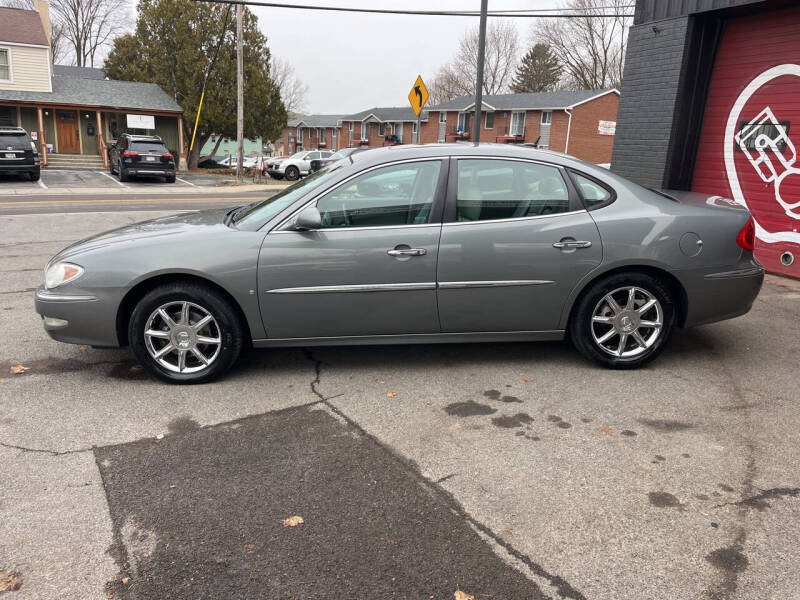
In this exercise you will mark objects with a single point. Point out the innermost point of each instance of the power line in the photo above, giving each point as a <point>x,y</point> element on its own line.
<point>424,13</point>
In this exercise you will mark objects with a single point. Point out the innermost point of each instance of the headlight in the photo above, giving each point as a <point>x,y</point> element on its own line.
<point>60,273</point>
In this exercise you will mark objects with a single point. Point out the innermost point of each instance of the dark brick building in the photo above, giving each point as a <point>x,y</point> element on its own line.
<point>710,104</point>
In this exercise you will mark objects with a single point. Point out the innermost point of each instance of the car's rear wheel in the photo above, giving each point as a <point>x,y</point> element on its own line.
<point>170,178</point>
<point>186,333</point>
<point>292,173</point>
<point>623,321</point>
<point>123,176</point>
<point>35,175</point>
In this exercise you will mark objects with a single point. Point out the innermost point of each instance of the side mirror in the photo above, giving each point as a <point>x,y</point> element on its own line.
<point>308,220</point>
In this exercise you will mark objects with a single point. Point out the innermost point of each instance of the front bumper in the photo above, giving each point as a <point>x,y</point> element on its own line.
<point>76,318</point>
<point>722,294</point>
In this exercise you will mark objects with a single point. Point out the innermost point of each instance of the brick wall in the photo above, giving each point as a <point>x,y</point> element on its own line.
<point>584,141</point>
<point>648,106</point>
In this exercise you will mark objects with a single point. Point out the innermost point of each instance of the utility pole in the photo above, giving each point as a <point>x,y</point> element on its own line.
<point>239,91</point>
<point>476,126</point>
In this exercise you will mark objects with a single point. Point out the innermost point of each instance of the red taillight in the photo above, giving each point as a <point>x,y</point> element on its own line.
<point>129,154</point>
<point>167,155</point>
<point>747,236</point>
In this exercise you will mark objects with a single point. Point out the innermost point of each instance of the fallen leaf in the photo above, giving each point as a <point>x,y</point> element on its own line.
<point>459,595</point>
<point>527,379</point>
<point>9,582</point>
<point>17,369</point>
<point>391,394</point>
<point>607,430</point>
<point>249,548</point>
<point>293,521</point>
<point>126,580</point>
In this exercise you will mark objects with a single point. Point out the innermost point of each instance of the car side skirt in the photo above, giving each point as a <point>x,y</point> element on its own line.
<point>415,338</point>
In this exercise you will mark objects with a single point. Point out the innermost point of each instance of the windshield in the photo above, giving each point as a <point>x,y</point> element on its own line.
<point>340,154</point>
<point>298,154</point>
<point>275,204</point>
<point>14,141</point>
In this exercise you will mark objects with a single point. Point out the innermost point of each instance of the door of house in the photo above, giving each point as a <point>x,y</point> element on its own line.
<point>67,130</point>
<point>442,127</point>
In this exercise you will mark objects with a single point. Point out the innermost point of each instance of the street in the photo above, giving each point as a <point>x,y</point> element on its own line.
<point>498,470</point>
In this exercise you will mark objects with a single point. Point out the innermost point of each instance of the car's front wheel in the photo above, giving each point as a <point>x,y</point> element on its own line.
<point>623,321</point>
<point>186,333</point>
<point>292,173</point>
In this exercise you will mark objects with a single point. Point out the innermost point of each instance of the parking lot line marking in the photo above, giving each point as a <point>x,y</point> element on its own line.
<point>186,182</point>
<point>41,184</point>
<point>125,200</point>
<point>112,179</point>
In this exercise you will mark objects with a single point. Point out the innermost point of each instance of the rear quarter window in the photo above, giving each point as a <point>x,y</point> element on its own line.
<point>594,193</point>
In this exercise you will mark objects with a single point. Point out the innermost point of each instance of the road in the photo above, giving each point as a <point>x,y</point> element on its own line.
<point>508,471</point>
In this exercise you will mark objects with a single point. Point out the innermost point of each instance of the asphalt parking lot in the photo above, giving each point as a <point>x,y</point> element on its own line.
<point>72,179</point>
<point>499,470</point>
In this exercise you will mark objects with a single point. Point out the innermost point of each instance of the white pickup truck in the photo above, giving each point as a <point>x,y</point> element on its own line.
<point>297,165</point>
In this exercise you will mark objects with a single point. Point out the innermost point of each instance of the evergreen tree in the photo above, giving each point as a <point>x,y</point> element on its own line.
<point>539,71</point>
<point>172,46</point>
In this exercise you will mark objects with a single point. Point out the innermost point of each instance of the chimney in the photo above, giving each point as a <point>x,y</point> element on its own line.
<point>43,8</point>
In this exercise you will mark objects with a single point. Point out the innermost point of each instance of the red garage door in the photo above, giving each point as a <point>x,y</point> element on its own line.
<point>751,131</point>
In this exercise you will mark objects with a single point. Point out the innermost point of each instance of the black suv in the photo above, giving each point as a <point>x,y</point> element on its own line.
<point>18,153</point>
<point>141,155</point>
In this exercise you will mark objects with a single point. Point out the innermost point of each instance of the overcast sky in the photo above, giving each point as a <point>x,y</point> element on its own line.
<point>356,61</point>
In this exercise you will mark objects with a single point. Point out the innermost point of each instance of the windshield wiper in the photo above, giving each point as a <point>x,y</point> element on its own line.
<point>233,215</point>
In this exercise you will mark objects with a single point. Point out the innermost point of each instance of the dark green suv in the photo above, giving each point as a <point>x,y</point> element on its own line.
<point>18,153</point>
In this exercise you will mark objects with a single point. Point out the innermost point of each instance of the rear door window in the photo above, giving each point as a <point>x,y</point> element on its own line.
<point>507,189</point>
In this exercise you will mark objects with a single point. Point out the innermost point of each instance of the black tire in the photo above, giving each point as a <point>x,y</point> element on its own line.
<point>35,175</point>
<point>279,177</point>
<point>586,334</point>
<point>123,176</point>
<point>228,327</point>
<point>170,179</point>
<point>292,173</point>
<point>111,168</point>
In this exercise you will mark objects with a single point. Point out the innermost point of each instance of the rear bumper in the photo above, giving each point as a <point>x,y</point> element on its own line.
<point>151,170</point>
<point>19,168</point>
<point>77,318</point>
<point>721,294</point>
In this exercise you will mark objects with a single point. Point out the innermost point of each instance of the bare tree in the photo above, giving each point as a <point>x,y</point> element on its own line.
<point>89,26</point>
<point>591,49</point>
<point>457,77</point>
<point>293,91</point>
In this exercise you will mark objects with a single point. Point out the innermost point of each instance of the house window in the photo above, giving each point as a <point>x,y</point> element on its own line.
<point>364,131</point>
<point>547,117</point>
<point>442,117</point>
<point>398,132</point>
<point>463,122</point>
<point>350,131</point>
<point>5,64</point>
<point>322,136</point>
<point>517,123</point>
<point>489,121</point>
<point>381,129</point>
<point>299,135</point>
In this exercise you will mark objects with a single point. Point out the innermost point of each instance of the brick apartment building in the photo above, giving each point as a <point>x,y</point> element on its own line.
<point>377,127</point>
<point>312,132</point>
<point>580,123</point>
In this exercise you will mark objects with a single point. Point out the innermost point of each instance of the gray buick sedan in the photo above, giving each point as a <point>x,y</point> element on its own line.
<point>412,244</point>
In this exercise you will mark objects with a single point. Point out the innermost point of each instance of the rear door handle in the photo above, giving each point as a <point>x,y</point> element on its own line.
<point>572,244</point>
<point>407,252</point>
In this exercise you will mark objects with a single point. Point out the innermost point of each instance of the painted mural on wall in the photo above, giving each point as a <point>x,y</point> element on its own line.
<point>751,132</point>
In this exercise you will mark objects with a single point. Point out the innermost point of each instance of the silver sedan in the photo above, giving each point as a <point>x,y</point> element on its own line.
<point>413,244</point>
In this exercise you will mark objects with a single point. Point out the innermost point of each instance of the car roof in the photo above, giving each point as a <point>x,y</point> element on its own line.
<point>376,156</point>
<point>143,138</point>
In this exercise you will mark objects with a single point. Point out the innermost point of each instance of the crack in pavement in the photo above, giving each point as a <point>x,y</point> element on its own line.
<point>759,501</point>
<point>24,449</point>
<point>563,587</point>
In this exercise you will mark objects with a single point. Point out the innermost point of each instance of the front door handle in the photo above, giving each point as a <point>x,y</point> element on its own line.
<point>407,252</point>
<point>572,244</point>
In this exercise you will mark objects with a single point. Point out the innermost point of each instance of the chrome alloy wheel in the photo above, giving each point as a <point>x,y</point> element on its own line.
<point>182,337</point>
<point>627,322</point>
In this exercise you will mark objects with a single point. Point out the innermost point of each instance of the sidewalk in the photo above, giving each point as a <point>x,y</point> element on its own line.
<point>167,190</point>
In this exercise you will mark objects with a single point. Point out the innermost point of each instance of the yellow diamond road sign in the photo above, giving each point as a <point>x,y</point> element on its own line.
<point>418,95</point>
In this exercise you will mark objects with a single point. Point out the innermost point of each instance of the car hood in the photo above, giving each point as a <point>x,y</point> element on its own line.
<point>181,224</point>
